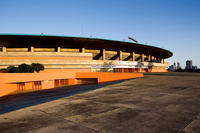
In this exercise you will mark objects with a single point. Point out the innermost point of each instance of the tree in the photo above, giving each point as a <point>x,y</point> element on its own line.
<point>37,67</point>
<point>12,69</point>
<point>24,68</point>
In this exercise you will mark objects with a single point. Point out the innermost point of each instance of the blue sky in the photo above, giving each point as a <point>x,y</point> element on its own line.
<point>169,24</point>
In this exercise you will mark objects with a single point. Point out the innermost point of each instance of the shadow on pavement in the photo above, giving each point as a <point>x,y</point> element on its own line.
<point>14,102</point>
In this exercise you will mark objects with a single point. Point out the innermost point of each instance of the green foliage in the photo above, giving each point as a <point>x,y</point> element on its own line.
<point>25,68</point>
<point>37,67</point>
<point>12,69</point>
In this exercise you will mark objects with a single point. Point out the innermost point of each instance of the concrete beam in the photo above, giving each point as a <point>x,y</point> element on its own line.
<point>44,49</point>
<point>70,50</point>
<point>17,49</point>
<point>116,56</point>
<point>128,58</point>
<point>138,58</point>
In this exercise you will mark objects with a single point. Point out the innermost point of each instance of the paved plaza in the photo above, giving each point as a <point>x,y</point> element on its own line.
<point>157,103</point>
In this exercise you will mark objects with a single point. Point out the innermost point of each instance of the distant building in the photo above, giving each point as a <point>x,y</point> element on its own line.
<point>188,64</point>
<point>178,65</point>
<point>171,68</point>
<point>194,67</point>
<point>175,67</point>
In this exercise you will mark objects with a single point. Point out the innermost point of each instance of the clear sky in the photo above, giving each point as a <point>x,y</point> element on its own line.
<point>169,24</point>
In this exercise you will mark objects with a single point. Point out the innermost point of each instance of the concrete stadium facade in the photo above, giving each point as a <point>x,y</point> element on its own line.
<point>106,55</point>
<point>74,60</point>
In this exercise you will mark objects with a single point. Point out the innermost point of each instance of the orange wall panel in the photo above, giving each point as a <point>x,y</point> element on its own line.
<point>27,77</point>
<point>8,82</point>
<point>71,82</point>
<point>48,84</point>
<point>108,77</point>
<point>6,89</point>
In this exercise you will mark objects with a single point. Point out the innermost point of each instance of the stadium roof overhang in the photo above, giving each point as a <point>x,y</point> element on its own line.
<point>48,41</point>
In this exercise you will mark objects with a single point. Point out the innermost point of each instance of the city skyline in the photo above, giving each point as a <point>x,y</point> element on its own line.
<point>188,65</point>
<point>172,25</point>
<point>183,66</point>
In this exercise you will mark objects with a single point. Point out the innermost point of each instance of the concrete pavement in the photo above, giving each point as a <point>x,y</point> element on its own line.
<point>157,103</point>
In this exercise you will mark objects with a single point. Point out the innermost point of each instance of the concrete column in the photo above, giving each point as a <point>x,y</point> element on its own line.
<point>104,54</point>
<point>4,49</point>
<point>152,58</point>
<point>120,55</point>
<point>149,58</point>
<point>58,49</point>
<point>142,55</point>
<point>133,56</point>
<point>83,50</point>
<point>32,49</point>
<point>163,61</point>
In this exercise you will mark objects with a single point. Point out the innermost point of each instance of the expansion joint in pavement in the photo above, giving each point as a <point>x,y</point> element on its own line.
<point>187,124</point>
<point>68,120</point>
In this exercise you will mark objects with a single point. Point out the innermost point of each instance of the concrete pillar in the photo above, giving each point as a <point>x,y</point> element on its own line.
<point>58,49</point>
<point>149,58</point>
<point>4,49</point>
<point>82,50</point>
<point>32,49</point>
<point>133,56</point>
<point>104,54</point>
<point>163,61</point>
<point>142,56</point>
<point>152,58</point>
<point>120,55</point>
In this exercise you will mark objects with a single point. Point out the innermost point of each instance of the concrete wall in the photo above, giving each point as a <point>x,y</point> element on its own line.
<point>12,83</point>
<point>65,58</point>
<point>51,60</point>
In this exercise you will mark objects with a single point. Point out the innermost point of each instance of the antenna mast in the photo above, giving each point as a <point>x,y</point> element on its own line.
<point>132,39</point>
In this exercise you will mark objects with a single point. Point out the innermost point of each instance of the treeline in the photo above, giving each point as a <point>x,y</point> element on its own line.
<point>25,68</point>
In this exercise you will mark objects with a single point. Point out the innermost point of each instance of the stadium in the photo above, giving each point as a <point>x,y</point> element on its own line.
<point>107,55</point>
<point>76,57</point>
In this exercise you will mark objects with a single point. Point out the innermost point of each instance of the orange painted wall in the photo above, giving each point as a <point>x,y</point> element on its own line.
<point>8,82</point>
<point>27,77</point>
<point>71,81</point>
<point>48,74</point>
<point>108,77</point>
<point>6,89</point>
<point>48,84</point>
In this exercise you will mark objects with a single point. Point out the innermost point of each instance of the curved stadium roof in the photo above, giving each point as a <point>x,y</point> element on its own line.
<point>48,41</point>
